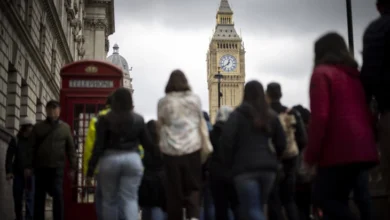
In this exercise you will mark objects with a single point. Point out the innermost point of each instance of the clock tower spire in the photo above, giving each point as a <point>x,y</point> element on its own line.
<point>226,54</point>
<point>225,13</point>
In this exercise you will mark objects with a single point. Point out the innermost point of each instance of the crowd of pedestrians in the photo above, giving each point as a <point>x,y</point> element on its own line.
<point>260,160</point>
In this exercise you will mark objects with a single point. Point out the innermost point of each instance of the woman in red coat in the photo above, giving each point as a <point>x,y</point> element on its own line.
<point>341,139</point>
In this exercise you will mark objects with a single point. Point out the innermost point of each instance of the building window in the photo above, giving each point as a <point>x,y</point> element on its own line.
<point>53,61</point>
<point>42,38</point>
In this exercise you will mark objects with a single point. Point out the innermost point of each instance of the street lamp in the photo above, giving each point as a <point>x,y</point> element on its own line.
<point>219,76</point>
<point>350,27</point>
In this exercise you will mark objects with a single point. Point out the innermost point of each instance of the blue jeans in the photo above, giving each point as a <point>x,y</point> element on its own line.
<point>153,213</point>
<point>208,210</point>
<point>252,192</point>
<point>99,201</point>
<point>19,190</point>
<point>120,175</point>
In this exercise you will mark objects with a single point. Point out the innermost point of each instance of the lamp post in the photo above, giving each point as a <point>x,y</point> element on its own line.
<point>350,27</point>
<point>219,76</point>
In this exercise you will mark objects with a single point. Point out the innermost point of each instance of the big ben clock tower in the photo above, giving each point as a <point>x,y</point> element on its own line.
<point>226,54</point>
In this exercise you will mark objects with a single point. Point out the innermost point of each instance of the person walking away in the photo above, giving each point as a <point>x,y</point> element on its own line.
<point>283,193</point>
<point>249,140</point>
<point>49,141</point>
<point>88,147</point>
<point>208,209</point>
<point>375,76</point>
<point>304,179</point>
<point>179,118</point>
<point>222,188</point>
<point>151,192</point>
<point>341,139</point>
<point>14,167</point>
<point>119,133</point>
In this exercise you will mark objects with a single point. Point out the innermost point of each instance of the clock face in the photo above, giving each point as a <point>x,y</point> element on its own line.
<point>228,63</point>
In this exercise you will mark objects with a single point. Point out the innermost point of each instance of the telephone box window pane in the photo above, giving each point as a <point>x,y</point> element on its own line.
<point>84,194</point>
<point>101,107</point>
<point>90,110</point>
<point>77,110</point>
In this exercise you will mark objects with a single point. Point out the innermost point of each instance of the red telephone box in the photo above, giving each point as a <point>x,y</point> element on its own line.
<point>85,87</point>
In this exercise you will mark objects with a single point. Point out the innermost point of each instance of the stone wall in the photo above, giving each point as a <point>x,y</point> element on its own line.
<point>38,37</point>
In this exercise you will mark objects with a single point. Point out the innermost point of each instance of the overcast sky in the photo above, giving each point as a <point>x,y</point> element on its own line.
<point>158,36</point>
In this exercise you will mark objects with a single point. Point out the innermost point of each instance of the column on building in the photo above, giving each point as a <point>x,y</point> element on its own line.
<point>13,101</point>
<point>28,102</point>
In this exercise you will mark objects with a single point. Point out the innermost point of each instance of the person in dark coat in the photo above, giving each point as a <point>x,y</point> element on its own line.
<point>151,191</point>
<point>341,139</point>
<point>50,144</point>
<point>222,189</point>
<point>251,142</point>
<point>208,209</point>
<point>283,193</point>
<point>375,76</point>
<point>14,167</point>
<point>116,152</point>
<point>304,182</point>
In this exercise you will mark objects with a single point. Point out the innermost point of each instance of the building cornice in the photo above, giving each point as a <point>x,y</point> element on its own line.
<point>96,24</point>
<point>110,12</point>
<point>58,30</point>
<point>24,35</point>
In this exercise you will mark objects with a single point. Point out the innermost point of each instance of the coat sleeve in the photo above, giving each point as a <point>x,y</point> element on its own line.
<point>98,147</point>
<point>29,153</point>
<point>278,137</point>
<point>71,149</point>
<point>89,142</point>
<point>320,105</point>
<point>10,156</point>
<point>228,139</point>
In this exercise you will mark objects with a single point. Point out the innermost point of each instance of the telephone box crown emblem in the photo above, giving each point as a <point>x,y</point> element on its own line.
<point>91,69</point>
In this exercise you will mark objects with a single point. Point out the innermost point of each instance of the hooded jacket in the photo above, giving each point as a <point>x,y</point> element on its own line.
<point>90,139</point>
<point>16,155</point>
<point>341,127</point>
<point>247,149</point>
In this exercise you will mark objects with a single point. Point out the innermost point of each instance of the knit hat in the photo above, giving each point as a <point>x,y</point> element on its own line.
<point>26,121</point>
<point>223,113</point>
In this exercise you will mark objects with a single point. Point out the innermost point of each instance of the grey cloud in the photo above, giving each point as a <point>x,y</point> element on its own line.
<point>303,21</point>
<point>269,16</point>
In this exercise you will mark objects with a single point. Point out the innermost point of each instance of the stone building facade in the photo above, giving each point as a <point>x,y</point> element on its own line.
<point>37,37</point>
<point>226,55</point>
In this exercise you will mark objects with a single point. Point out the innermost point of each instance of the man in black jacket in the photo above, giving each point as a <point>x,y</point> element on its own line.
<point>375,76</point>
<point>14,169</point>
<point>49,141</point>
<point>284,191</point>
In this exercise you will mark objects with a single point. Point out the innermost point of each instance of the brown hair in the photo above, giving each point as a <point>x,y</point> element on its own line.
<point>332,49</point>
<point>177,82</point>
